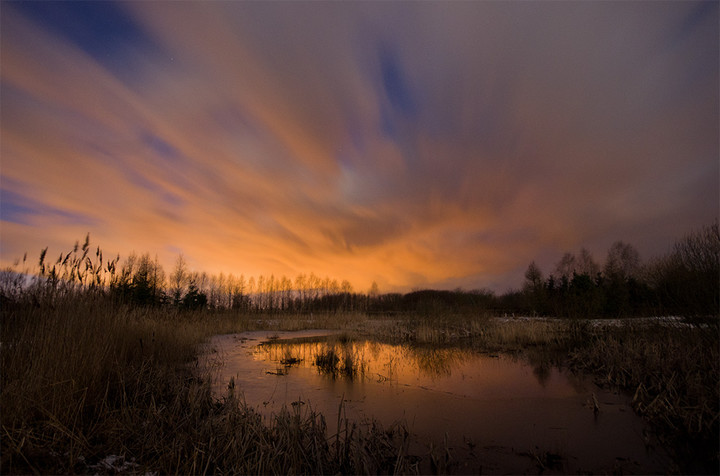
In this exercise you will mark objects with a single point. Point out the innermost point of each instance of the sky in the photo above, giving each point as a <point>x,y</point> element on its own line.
<point>414,144</point>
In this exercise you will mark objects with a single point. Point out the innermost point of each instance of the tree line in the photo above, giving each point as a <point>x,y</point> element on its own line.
<point>685,281</point>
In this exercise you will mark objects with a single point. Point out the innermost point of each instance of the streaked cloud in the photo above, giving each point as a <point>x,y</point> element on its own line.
<point>415,144</point>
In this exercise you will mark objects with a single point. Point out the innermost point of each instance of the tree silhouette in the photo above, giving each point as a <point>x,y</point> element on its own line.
<point>534,289</point>
<point>194,298</point>
<point>688,279</point>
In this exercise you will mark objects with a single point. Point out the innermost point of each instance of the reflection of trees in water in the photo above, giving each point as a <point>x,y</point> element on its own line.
<point>541,362</point>
<point>288,351</point>
<point>375,349</point>
<point>541,371</point>
<point>385,360</point>
<point>434,362</point>
<point>342,359</point>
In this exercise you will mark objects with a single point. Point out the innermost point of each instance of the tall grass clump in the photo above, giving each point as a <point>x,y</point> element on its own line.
<point>327,361</point>
<point>70,367</point>
<point>340,360</point>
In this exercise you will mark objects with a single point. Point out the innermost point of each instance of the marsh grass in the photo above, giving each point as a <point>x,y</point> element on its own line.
<point>673,374</point>
<point>340,360</point>
<point>670,368</point>
<point>327,361</point>
<point>86,381</point>
<point>480,332</point>
<point>85,378</point>
<point>72,371</point>
<point>295,322</point>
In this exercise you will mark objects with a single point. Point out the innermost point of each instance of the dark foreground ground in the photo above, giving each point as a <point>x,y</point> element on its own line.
<point>89,386</point>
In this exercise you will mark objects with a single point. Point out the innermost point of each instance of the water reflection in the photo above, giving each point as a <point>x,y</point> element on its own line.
<point>494,413</point>
<point>437,363</point>
<point>541,371</point>
<point>357,359</point>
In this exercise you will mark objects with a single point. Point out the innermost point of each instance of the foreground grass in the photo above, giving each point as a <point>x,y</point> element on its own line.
<point>88,386</point>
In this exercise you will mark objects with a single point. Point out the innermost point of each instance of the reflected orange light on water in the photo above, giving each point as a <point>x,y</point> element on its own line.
<point>450,370</point>
<point>492,411</point>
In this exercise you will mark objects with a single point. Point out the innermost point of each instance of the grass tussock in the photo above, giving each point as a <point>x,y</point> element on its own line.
<point>340,360</point>
<point>88,385</point>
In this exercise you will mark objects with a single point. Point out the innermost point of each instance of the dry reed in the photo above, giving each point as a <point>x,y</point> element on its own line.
<point>89,385</point>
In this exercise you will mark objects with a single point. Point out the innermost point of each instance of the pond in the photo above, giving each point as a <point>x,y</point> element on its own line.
<point>494,413</point>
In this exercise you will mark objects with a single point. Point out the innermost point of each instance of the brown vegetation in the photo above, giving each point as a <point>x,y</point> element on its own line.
<point>670,367</point>
<point>85,380</point>
<point>673,373</point>
<point>99,366</point>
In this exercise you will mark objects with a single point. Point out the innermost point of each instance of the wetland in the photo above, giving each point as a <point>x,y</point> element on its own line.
<point>464,411</point>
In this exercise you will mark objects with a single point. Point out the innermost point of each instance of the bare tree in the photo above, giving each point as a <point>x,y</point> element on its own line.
<point>688,279</point>
<point>566,266</point>
<point>585,264</point>
<point>571,264</point>
<point>534,288</point>
<point>374,290</point>
<point>179,279</point>
<point>623,261</point>
<point>533,276</point>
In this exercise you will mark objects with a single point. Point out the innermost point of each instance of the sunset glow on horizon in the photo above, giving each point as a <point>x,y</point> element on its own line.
<point>414,144</point>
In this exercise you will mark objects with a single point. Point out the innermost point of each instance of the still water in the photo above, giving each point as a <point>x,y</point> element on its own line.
<point>496,414</point>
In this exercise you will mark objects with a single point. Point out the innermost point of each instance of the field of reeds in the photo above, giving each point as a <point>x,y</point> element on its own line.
<point>90,386</point>
<point>94,382</point>
<point>670,367</point>
<point>673,373</point>
<point>94,386</point>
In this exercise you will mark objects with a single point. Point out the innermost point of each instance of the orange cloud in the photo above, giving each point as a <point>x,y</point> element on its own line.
<point>372,142</point>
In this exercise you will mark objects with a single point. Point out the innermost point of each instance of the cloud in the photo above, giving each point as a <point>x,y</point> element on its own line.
<point>412,144</point>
